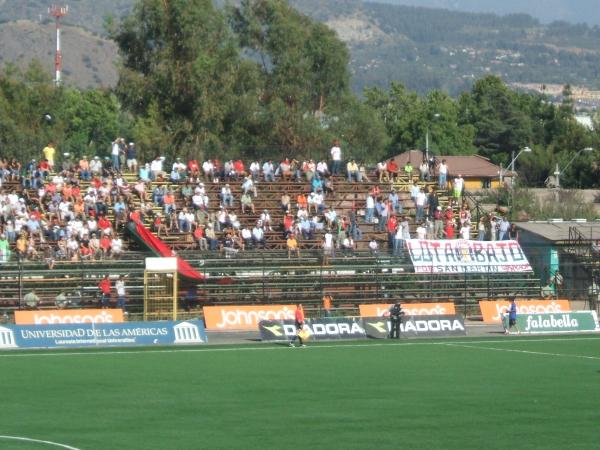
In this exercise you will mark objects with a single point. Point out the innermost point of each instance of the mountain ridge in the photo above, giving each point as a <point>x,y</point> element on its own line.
<point>423,48</point>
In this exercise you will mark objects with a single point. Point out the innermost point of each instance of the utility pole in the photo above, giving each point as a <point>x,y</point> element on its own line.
<point>57,12</point>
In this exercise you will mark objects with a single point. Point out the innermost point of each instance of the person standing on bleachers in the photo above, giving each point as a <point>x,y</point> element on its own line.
<point>336,158</point>
<point>121,292</point>
<point>105,287</point>
<point>442,175</point>
<point>131,158</point>
<point>49,153</point>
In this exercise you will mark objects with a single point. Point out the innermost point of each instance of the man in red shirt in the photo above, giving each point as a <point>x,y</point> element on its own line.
<point>104,287</point>
<point>299,321</point>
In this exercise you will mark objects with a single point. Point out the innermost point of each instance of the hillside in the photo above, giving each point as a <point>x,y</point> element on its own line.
<point>573,11</point>
<point>88,60</point>
<point>423,48</point>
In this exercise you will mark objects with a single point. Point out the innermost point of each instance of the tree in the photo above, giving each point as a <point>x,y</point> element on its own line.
<point>180,64</point>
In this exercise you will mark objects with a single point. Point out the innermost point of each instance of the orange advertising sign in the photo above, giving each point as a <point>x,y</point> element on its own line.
<point>244,317</point>
<point>492,310</point>
<point>410,309</point>
<point>63,316</point>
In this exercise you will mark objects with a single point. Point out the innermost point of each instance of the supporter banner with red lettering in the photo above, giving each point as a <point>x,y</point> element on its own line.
<point>410,309</point>
<point>464,256</point>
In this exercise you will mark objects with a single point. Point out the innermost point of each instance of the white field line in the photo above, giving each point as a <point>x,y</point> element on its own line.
<point>512,350</point>
<point>37,441</point>
<point>280,347</point>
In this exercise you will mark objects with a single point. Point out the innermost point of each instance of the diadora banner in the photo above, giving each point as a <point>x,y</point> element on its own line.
<point>410,309</point>
<point>464,256</point>
<point>63,316</point>
<point>244,317</point>
<point>558,323</point>
<point>492,311</point>
<point>102,334</point>
<point>413,326</point>
<point>319,329</point>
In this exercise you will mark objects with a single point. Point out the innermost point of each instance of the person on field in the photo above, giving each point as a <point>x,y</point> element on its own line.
<point>512,317</point>
<point>299,322</point>
<point>396,314</point>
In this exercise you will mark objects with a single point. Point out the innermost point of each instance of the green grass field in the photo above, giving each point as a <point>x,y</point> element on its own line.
<point>494,393</point>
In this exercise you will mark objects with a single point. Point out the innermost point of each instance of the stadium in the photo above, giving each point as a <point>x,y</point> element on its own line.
<point>265,260</point>
<point>453,380</point>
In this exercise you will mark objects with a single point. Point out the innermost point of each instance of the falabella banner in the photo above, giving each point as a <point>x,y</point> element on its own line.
<point>570,322</point>
<point>466,256</point>
<point>410,309</point>
<point>417,326</point>
<point>492,311</point>
<point>244,317</point>
<point>102,334</point>
<point>64,316</point>
<point>318,329</point>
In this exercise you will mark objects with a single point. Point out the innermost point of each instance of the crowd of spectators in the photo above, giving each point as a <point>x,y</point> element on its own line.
<point>76,210</point>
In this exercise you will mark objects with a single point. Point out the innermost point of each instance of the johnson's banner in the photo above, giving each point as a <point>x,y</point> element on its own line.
<point>492,311</point>
<point>410,309</point>
<point>64,316</point>
<point>464,256</point>
<point>102,334</point>
<point>244,317</point>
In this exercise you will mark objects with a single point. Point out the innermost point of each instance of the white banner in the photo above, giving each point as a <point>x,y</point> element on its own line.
<point>462,256</point>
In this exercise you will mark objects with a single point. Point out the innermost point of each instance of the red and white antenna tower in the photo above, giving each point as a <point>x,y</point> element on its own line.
<point>57,12</point>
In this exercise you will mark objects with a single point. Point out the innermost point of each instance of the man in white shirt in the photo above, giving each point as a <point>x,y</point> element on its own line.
<point>420,202</point>
<point>336,157</point>
<point>116,247</point>
<point>114,152</point>
<point>258,235</point>
<point>328,248</point>
<point>156,167</point>
<point>443,174</point>
<point>178,166</point>
<point>121,295</point>
<point>255,170</point>
<point>208,169</point>
<point>268,171</point>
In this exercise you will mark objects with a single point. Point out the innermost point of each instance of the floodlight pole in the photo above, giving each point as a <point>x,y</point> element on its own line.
<point>558,172</point>
<point>512,168</point>
<point>57,12</point>
<point>435,116</point>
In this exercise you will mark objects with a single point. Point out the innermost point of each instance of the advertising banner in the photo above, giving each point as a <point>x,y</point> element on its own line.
<point>492,310</point>
<point>318,329</point>
<point>417,326</point>
<point>102,334</point>
<point>465,256</point>
<point>569,322</point>
<point>410,309</point>
<point>244,317</point>
<point>64,316</point>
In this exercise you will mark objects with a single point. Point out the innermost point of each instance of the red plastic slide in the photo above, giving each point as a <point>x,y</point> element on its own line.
<point>157,246</point>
